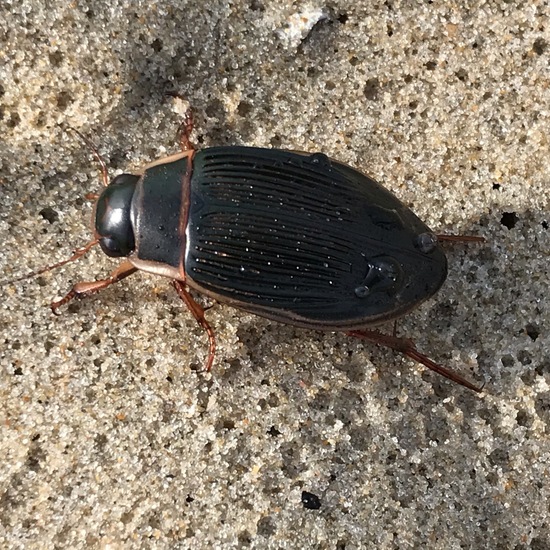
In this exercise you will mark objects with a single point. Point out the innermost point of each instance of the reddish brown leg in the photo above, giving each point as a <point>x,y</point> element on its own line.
<point>185,130</point>
<point>186,127</point>
<point>407,347</point>
<point>461,238</point>
<point>198,312</point>
<point>80,290</point>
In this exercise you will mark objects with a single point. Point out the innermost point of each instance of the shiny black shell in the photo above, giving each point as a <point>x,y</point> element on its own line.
<point>304,239</point>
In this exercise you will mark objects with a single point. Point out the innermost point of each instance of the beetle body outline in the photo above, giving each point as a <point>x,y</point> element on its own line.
<point>295,237</point>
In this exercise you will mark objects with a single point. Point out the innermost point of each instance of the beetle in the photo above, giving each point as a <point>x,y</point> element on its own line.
<point>295,237</point>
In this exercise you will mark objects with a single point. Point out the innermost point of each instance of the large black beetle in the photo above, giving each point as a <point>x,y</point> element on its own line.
<point>295,237</point>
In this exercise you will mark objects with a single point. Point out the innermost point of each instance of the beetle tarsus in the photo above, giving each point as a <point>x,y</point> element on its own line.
<point>54,306</point>
<point>125,269</point>
<point>408,348</point>
<point>198,312</point>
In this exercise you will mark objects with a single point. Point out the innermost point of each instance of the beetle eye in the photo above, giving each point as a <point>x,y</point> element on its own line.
<point>111,247</point>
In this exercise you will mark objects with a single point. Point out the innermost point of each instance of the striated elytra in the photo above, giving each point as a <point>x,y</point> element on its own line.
<point>295,237</point>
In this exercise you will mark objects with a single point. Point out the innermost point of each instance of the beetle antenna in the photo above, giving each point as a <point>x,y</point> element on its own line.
<point>78,253</point>
<point>93,149</point>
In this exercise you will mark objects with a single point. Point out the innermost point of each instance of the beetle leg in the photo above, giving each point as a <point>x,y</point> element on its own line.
<point>407,347</point>
<point>185,129</point>
<point>186,126</point>
<point>461,238</point>
<point>82,289</point>
<point>198,312</point>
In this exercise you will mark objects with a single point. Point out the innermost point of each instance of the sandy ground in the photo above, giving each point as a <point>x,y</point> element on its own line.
<point>111,438</point>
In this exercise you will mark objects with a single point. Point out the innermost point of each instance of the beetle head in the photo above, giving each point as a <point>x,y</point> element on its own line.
<point>113,230</point>
<point>113,219</point>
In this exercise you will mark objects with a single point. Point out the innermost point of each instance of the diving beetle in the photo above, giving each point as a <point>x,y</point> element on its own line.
<point>296,237</point>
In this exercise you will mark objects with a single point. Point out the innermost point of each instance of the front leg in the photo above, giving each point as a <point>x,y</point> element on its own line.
<point>125,269</point>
